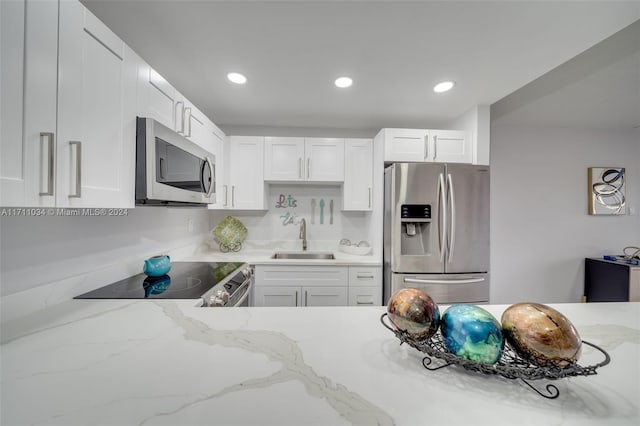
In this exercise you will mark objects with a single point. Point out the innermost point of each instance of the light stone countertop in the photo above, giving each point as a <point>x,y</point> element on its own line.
<point>150,362</point>
<point>260,252</point>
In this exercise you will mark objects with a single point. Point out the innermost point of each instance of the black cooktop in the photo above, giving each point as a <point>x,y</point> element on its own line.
<point>185,280</point>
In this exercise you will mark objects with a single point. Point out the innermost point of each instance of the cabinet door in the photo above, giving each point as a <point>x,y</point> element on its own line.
<point>29,48</point>
<point>365,296</point>
<point>452,146</point>
<point>277,296</point>
<point>407,145</point>
<point>324,296</point>
<point>197,129</point>
<point>96,113</point>
<point>325,159</point>
<point>163,103</point>
<point>284,159</point>
<point>246,181</point>
<point>358,175</point>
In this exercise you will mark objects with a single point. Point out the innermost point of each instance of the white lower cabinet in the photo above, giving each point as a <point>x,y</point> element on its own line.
<point>309,285</point>
<point>297,285</point>
<point>365,285</point>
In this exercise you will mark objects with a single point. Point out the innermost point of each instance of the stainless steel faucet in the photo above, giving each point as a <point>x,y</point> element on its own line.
<point>303,234</point>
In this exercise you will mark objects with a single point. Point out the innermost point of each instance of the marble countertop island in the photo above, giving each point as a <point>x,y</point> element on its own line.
<point>111,362</point>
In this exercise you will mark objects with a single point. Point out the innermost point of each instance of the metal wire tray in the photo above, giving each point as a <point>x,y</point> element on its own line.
<point>510,365</point>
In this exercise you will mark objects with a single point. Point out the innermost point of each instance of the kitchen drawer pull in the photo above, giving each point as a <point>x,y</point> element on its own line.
<point>50,159</point>
<point>364,303</point>
<point>360,275</point>
<point>464,281</point>
<point>78,146</point>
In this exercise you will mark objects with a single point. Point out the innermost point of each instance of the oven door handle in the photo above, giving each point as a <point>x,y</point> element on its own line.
<point>463,281</point>
<point>247,286</point>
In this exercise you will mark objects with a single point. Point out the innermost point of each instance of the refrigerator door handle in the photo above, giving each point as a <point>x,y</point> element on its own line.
<point>442,217</point>
<point>452,209</point>
<point>464,281</point>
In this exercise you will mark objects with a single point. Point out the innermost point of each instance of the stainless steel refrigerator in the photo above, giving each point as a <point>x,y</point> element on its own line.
<point>436,231</point>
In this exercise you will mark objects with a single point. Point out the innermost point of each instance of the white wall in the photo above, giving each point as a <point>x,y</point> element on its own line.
<point>540,229</point>
<point>38,250</point>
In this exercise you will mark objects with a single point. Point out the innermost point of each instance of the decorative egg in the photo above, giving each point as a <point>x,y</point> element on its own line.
<point>472,333</point>
<point>415,312</point>
<point>541,335</point>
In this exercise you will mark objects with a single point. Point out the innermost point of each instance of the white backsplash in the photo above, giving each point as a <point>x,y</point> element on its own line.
<point>268,226</point>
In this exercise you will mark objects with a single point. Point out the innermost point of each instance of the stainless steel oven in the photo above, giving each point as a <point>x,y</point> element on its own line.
<point>171,169</point>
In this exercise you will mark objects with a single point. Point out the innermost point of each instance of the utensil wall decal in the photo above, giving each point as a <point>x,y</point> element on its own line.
<point>321,211</point>
<point>331,212</point>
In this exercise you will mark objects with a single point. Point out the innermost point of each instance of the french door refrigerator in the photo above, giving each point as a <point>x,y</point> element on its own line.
<point>436,231</point>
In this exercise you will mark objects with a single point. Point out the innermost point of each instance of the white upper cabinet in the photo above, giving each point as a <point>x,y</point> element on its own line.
<point>358,175</point>
<point>451,146</point>
<point>324,159</point>
<point>161,100</point>
<point>29,49</point>
<point>284,159</point>
<point>221,152</point>
<point>247,190</point>
<point>426,145</point>
<point>304,159</point>
<point>406,145</point>
<point>96,113</point>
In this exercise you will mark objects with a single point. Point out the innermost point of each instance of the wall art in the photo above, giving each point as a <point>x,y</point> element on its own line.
<point>607,191</point>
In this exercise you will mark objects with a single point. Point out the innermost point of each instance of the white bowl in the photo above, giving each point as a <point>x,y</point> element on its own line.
<point>359,251</point>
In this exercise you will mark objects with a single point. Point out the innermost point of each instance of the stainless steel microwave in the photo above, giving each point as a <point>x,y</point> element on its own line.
<point>170,169</point>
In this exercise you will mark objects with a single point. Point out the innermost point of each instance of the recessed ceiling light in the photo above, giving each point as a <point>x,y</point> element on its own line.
<point>443,86</point>
<point>236,78</point>
<point>343,82</point>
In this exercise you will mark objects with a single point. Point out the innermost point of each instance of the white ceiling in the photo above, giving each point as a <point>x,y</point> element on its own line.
<point>395,51</point>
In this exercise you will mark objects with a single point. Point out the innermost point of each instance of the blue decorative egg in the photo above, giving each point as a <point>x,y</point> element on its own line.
<point>472,333</point>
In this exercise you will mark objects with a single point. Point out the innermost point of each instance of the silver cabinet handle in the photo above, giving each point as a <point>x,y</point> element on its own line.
<point>308,167</point>
<point>212,171</point>
<point>369,197</point>
<point>464,281</point>
<point>225,195</point>
<point>426,147</point>
<point>305,298</point>
<point>233,195</point>
<point>452,209</point>
<point>442,217</point>
<point>364,303</point>
<point>435,147</point>
<point>188,121</point>
<point>181,129</point>
<point>296,297</point>
<point>50,159</point>
<point>300,168</point>
<point>78,146</point>
<point>369,276</point>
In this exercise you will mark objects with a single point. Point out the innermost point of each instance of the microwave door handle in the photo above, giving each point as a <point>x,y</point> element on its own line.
<point>212,173</point>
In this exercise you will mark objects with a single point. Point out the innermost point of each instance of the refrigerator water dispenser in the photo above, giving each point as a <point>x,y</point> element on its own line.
<point>415,228</point>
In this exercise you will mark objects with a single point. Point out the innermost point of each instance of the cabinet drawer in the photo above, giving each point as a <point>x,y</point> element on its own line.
<point>365,296</point>
<point>365,276</point>
<point>301,275</point>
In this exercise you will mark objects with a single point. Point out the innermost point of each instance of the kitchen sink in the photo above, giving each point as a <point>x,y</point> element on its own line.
<point>303,255</point>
